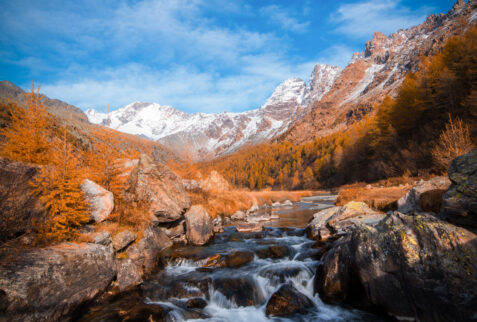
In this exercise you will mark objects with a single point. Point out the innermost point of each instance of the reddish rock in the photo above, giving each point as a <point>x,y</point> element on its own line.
<point>162,188</point>
<point>288,301</point>
<point>248,227</point>
<point>199,226</point>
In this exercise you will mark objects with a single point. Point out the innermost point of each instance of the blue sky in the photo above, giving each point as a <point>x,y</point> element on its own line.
<point>195,55</point>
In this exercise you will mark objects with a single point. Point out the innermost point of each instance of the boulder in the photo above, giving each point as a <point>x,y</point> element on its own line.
<point>232,260</point>
<point>274,251</point>
<point>19,208</point>
<point>101,200</point>
<point>288,301</point>
<point>287,203</point>
<point>253,208</point>
<point>163,189</point>
<point>103,238</point>
<point>239,215</point>
<point>429,191</point>
<point>413,267</point>
<point>145,252</point>
<point>199,226</point>
<point>49,284</point>
<point>339,220</point>
<point>196,303</point>
<point>122,239</point>
<point>459,203</point>
<point>128,274</point>
<point>249,227</point>
<point>215,182</point>
<point>176,231</point>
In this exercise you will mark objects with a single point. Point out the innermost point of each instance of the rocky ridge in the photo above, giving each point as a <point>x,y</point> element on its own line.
<point>210,135</point>
<point>378,72</point>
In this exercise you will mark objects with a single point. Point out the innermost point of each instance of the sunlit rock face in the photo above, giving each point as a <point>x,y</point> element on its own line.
<point>378,71</point>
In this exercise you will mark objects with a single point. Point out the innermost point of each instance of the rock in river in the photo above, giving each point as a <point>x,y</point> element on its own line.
<point>424,196</point>
<point>249,227</point>
<point>199,226</point>
<point>328,222</point>
<point>287,301</point>
<point>145,253</point>
<point>413,267</point>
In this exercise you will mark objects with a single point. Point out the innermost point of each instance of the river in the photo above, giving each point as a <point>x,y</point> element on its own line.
<point>232,278</point>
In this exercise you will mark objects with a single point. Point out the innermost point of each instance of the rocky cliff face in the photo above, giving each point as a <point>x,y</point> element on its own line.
<point>210,135</point>
<point>378,71</point>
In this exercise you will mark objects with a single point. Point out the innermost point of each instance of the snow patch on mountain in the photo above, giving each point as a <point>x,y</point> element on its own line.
<point>210,135</point>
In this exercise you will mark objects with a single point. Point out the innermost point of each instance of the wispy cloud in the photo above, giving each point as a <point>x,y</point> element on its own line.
<point>183,87</point>
<point>363,18</point>
<point>170,52</point>
<point>282,17</point>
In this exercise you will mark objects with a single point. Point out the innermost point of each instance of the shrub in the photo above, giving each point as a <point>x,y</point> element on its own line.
<point>454,141</point>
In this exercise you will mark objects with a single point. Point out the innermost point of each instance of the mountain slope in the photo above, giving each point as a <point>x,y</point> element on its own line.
<point>378,71</point>
<point>10,91</point>
<point>210,135</point>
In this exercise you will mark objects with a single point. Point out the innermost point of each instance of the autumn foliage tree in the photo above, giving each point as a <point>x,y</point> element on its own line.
<point>32,136</point>
<point>58,187</point>
<point>455,140</point>
<point>27,136</point>
<point>397,138</point>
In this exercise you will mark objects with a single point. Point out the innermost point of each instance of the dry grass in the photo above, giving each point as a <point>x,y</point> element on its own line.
<point>377,197</point>
<point>229,202</point>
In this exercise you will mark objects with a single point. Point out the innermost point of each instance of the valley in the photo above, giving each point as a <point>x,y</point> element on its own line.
<point>351,196</point>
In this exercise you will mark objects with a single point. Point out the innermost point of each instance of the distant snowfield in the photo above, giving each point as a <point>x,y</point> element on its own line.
<point>216,134</point>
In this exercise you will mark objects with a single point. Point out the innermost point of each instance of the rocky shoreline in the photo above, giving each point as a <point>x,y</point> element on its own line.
<point>413,266</point>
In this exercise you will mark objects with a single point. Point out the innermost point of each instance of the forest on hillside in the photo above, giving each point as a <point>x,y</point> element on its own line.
<point>66,155</point>
<point>432,119</point>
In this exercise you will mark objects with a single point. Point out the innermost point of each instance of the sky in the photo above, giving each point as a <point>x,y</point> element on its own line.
<point>195,55</point>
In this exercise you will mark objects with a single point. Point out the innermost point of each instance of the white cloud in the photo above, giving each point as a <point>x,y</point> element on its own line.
<point>283,18</point>
<point>169,52</point>
<point>363,18</point>
<point>338,55</point>
<point>182,87</point>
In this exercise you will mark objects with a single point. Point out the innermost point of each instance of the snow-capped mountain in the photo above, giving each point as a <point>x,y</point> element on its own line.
<point>378,71</point>
<point>210,135</point>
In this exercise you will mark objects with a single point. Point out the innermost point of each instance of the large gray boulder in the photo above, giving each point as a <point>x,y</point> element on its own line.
<point>413,267</point>
<point>424,196</point>
<point>459,204</point>
<point>162,188</point>
<point>128,274</point>
<point>100,200</point>
<point>48,284</point>
<point>199,226</point>
<point>145,252</point>
<point>338,220</point>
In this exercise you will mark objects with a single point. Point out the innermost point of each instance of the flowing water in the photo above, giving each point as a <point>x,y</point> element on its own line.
<point>252,266</point>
